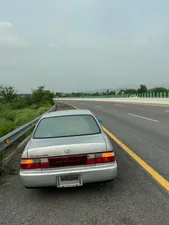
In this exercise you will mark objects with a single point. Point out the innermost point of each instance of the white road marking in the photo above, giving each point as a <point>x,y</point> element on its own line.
<point>98,106</point>
<point>167,111</point>
<point>142,117</point>
<point>119,105</point>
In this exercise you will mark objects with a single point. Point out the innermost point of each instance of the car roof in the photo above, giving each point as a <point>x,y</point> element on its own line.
<point>71,112</point>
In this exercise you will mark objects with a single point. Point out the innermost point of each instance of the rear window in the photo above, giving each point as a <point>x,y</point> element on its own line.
<point>66,126</point>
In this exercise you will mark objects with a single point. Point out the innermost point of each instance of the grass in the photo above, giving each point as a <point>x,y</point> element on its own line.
<point>11,119</point>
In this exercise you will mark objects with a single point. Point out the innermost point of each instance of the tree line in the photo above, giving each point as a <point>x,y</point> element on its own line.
<point>41,96</point>
<point>141,90</point>
<point>38,97</point>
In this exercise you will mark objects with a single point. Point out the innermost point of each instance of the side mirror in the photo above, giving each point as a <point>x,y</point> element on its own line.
<point>100,121</point>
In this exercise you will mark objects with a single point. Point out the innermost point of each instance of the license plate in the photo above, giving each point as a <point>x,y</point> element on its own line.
<point>69,180</point>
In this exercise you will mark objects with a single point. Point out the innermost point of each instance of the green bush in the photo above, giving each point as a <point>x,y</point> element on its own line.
<point>10,119</point>
<point>16,110</point>
<point>5,126</point>
<point>9,115</point>
<point>18,104</point>
<point>34,106</point>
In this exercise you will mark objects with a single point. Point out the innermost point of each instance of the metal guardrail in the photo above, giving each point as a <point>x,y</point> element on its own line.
<point>9,138</point>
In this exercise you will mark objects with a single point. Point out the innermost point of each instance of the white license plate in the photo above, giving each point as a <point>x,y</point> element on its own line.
<point>72,180</point>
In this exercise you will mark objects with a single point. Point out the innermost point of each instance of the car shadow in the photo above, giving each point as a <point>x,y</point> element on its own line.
<point>85,189</point>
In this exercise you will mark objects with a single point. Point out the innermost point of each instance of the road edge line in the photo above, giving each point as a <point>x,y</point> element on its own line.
<point>155,175</point>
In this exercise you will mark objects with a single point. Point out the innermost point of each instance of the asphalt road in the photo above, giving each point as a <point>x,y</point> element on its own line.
<point>143,128</point>
<point>134,198</point>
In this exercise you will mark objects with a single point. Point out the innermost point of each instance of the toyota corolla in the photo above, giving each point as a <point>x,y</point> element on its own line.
<point>67,149</point>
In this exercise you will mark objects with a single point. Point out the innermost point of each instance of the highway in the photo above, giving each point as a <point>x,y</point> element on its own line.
<point>143,128</point>
<point>134,198</point>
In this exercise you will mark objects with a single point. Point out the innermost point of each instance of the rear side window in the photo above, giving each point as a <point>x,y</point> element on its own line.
<point>66,126</point>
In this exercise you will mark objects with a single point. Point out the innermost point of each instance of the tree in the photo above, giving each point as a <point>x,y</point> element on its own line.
<point>8,93</point>
<point>158,89</point>
<point>40,96</point>
<point>142,89</point>
<point>107,92</point>
<point>130,91</point>
<point>122,91</point>
<point>112,92</point>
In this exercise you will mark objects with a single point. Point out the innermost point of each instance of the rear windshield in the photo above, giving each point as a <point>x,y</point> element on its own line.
<point>66,126</point>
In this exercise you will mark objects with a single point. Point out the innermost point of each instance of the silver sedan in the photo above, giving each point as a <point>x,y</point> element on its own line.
<point>67,149</point>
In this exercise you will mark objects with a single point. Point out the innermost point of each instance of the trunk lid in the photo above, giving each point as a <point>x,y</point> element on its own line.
<point>56,147</point>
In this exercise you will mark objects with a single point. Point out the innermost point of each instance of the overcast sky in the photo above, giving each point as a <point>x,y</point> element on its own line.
<point>79,45</point>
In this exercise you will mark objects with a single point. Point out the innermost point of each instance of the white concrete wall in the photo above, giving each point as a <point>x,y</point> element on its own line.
<point>160,101</point>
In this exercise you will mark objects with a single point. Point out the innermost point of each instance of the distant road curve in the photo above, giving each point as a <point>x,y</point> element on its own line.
<point>156,101</point>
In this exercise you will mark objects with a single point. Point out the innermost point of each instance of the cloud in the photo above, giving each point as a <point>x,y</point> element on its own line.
<point>8,38</point>
<point>5,25</point>
<point>110,43</point>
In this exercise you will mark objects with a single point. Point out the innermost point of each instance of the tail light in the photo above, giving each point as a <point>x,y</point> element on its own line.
<point>63,161</point>
<point>34,163</point>
<point>30,164</point>
<point>101,158</point>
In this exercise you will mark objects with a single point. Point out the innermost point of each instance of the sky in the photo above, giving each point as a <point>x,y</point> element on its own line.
<point>84,45</point>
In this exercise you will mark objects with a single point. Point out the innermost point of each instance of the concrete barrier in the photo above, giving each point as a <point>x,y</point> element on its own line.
<point>159,101</point>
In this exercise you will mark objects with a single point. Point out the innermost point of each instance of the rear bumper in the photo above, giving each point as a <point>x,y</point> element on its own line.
<point>90,174</point>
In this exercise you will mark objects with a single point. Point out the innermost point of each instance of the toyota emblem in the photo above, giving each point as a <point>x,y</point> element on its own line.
<point>67,151</point>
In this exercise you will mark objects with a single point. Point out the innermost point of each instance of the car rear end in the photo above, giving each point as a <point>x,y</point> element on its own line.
<point>68,161</point>
<point>67,171</point>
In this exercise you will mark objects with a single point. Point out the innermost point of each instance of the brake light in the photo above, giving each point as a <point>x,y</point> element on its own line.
<point>30,164</point>
<point>34,163</point>
<point>101,158</point>
<point>105,159</point>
